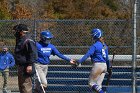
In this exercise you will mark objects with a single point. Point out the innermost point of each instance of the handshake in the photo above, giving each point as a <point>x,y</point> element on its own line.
<point>74,63</point>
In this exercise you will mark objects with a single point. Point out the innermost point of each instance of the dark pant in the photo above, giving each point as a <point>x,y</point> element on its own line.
<point>24,80</point>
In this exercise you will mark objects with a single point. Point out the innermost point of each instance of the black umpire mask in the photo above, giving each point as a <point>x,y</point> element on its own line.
<point>17,34</point>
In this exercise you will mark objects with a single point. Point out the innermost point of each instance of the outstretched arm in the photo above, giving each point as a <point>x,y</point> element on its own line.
<point>60,55</point>
<point>89,52</point>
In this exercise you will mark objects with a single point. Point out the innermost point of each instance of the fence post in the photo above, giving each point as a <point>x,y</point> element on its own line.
<point>34,30</point>
<point>134,47</point>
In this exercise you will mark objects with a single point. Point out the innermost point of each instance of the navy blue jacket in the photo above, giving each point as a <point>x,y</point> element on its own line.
<point>6,60</point>
<point>25,51</point>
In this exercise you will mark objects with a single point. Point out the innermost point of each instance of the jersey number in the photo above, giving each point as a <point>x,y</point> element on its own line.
<point>103,53</point>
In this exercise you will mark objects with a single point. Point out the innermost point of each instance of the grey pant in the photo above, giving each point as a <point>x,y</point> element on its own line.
<point>97,74</point>
<point>5,75</point>
<point>42,71</point>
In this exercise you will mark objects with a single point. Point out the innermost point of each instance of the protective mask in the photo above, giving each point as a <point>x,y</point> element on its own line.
<point>4,51</point>
<point>47,41</point>
<point>17,34</point>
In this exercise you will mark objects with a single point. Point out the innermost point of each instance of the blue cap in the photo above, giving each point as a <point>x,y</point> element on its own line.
<point>96,33</point>
<point>47,34</point>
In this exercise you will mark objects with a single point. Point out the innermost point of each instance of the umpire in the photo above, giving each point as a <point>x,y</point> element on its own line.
<point>25,56</point>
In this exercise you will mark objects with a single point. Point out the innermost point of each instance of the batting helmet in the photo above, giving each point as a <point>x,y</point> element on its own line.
<point>96,33</point>
<point>46,34</point>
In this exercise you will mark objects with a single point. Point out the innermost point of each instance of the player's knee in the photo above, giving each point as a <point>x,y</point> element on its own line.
<point>45,85</point>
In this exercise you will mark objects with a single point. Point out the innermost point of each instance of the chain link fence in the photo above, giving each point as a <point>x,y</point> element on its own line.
<point>72,37</point>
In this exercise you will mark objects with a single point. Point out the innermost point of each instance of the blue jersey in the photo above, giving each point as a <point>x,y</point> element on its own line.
<point>98,52</point>
<point>6,60</point>
<point>46,50</point>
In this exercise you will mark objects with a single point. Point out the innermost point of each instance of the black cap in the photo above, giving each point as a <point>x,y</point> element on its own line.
<point>20,27</point>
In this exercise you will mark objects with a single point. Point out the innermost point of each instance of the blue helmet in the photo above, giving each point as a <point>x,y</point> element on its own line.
<point>46,34</point>
<point>96,33</point>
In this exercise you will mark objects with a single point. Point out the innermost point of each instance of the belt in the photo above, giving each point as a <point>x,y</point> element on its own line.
<point>41,63</point>
<point>99,62</point>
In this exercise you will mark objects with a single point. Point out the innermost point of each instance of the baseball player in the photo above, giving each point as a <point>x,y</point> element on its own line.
<point>45,50</point>
<point>6,61</point>
<point>98,52</point>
